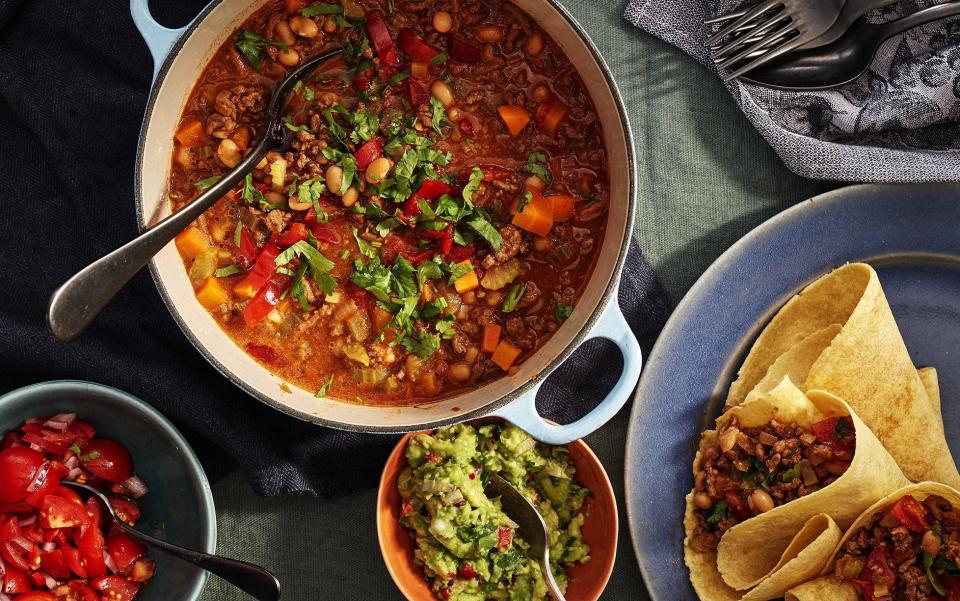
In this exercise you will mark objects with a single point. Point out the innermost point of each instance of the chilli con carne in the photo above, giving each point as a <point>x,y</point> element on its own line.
<point>752,470</point>
<point>908,553</point>
<point>437,215</point>
<point>52,547</point>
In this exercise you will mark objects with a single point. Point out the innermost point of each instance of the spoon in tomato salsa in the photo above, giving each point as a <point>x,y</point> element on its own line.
<point>78,301</point>
<point>256,581</point>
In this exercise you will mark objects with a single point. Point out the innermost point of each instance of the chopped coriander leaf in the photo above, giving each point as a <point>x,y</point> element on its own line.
<point>458,270</point>
<point>287,271</point>
<point>383,281</point>
<point>537,165</point>
<point>398,77</point>
<point>309,94</point>
<point>251,46</point>
<point>344,253</point>
<point>476,177</point>
<point>446,326</point>
<point>513,297</point>
<point>298,290</point>
<point>526,199</point>
<point>254,196</point>
<point>226,271</point>
<point>321,9</point>
<point>428,270</point>
<point>364,127</point>
<point>341,22</point>
<point>289,125</point>
<point>319,264</point>
<point>366,249</point>
<point>423,345</point>
<point>717,514</point>
<point>298,86</point>
<point>561,311</point>
<point>349,166</point>
<point>311,191</point>
<point>439,59</point>
<point>324,388</point>
<point>207,182</point>
<point>790,474</point>
<point>486,230</point>
<point>438,115</point>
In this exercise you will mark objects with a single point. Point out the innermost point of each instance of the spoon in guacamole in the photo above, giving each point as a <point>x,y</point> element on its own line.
<point>530,526</point>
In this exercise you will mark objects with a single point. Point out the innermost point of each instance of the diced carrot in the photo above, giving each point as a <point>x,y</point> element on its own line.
<point>505,354</point>
<point>211,295</point>
<point>294,6</point>
<point>191,133</point>
<point>491,337</point>
<point>550,113</point>
<point>427,383</point>
<point>191,242</point>
<point>420,70</point>
<point>381,317</point>
<point>561,206</point>
<point>515,117</point>
<point>244,289</point>
<point>241,137</point>
<point>536,216</point>
<point>467,282</point>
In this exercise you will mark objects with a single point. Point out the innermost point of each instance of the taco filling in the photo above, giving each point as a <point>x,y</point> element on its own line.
<point>749,471</point>
<point>909,553</point>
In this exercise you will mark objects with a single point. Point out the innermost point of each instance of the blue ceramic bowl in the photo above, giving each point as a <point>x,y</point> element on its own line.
<point>179,507</point>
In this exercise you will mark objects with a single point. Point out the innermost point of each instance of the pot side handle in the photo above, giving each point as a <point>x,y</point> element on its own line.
<point>523,412</point>
<point>159,39</point>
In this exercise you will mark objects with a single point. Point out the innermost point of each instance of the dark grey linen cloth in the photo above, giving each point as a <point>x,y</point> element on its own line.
<point>899,122</point>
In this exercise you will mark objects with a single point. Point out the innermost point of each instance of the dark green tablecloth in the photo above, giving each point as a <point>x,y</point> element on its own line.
<point>706,179</point>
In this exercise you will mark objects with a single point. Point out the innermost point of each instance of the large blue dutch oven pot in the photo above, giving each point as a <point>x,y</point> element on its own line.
<point>179,58</point>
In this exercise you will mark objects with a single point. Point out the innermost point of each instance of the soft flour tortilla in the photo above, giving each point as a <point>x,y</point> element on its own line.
<point>829,588</point>
<point>840,336</point>
<point>777,550</point>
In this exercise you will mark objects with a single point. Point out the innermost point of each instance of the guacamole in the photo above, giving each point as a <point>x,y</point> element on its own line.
<point>465,543</point>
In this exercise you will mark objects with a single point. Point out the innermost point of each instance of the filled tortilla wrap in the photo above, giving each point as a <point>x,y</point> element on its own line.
<point>817,457</point>
<point>903,547</point>
<point>840,336</point>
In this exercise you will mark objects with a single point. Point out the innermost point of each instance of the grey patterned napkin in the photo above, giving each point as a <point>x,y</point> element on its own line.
<point>899,122</point>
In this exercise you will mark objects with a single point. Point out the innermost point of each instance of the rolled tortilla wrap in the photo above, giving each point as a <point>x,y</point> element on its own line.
<point>831,588</point>
<point>756,550</point>
<point>865,363</point>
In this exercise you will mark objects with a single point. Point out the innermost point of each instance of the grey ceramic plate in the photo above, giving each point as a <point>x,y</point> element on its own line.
<point>909,233</point>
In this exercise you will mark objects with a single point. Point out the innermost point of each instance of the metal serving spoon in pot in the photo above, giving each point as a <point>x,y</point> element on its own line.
<point>256,581</point>
<point>532,527</point>
<point>74,305</point>
<point>845,59</point>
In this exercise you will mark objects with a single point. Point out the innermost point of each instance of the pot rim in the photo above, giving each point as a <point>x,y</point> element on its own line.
<point>519,391</point>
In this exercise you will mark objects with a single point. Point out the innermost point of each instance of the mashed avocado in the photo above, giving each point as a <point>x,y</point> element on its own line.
<point>465,543</point>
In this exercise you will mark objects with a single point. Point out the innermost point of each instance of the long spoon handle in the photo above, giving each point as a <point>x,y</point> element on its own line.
<point>256,581</point>
<point>74,305</point>
<point>921,17</point>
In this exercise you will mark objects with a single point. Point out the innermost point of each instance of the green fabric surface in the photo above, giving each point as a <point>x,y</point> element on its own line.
<point>706,179</point>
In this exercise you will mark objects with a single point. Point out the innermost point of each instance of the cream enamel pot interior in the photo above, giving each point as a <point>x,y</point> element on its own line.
<point>179,58</point>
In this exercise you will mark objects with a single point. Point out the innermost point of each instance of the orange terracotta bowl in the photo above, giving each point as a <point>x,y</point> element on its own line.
<point>600,528</point>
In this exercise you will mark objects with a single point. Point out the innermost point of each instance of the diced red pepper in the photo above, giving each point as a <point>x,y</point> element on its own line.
<point>261,304</point>
<point>261,186</point>
<point>911,514</point>
<point>326,233</point>
<point>297,232</point>
<point>247,252</point>
<point>461,253</point>
<point>416,92</point>
<point>443,237</point>
<point>382,42</point>
<point>372,149</point>
<point>414,45</point>
<point>433,189</point>
<point>360,296</point>
<point>262,352</point>
<point>263,268</point>
<point>463,51</point>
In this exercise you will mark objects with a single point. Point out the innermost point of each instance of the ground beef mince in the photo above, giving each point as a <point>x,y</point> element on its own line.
<point>436,215</point>
<point>907,553</point>
<point>749,471</point>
